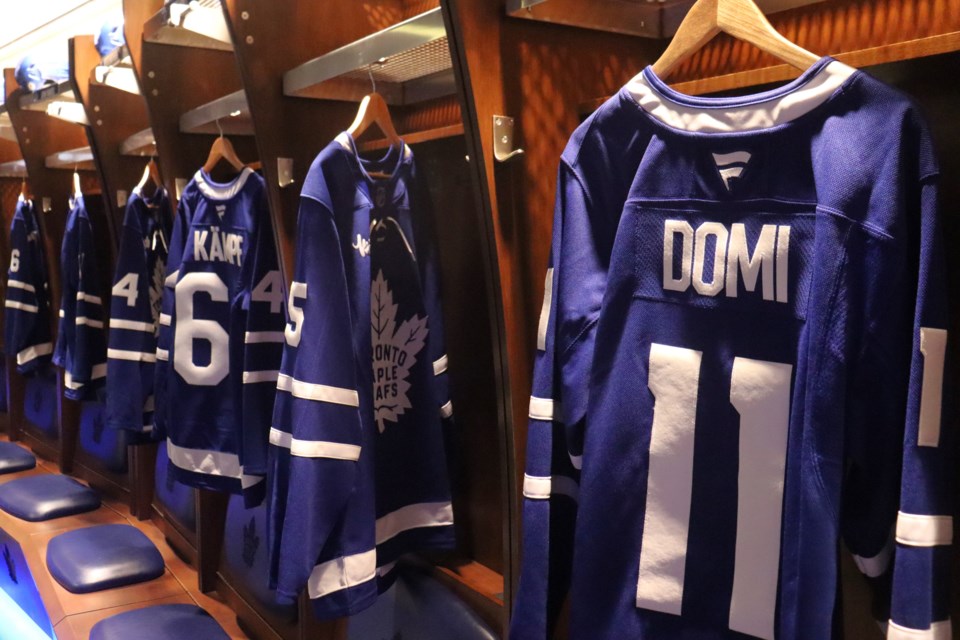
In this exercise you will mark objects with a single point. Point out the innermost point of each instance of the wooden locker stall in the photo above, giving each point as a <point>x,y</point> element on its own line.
<point>191,87</point>
<point>305,66</point>
<point>52,149</point>
<point>549,64</point>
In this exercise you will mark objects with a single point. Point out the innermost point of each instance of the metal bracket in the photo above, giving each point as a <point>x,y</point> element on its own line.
<point>284,172</point>
<point>503,139</point>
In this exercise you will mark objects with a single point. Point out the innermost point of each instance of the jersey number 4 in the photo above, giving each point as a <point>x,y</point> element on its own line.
<point>760,393</point>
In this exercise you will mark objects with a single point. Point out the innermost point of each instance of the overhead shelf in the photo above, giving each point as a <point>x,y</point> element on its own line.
<point>38,100</point>
<point>116,70</point>
<point>198,24</point>
<point>643,18</point>
<point>71,159</point>
<point>142,143</point>
<point>231,111</point>
<point>410,62</point>
<point>13,169</point>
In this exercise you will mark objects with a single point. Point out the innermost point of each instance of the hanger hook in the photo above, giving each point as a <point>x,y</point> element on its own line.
<point>219,128</point>
<point>372,79</point>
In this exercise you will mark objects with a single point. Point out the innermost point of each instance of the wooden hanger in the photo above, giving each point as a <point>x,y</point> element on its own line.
<point>374,110</point>
<point>222,149</point>
<point>24,189</point>
<point>741,19</point>
<point>77,192</point>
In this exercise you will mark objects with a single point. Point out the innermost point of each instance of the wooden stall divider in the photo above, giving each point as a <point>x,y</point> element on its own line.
<point>269,41</point>
<point>114,115</point>
<point>39,136</point>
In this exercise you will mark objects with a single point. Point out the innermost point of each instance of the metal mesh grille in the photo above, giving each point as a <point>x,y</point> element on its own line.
<point>418,62</point>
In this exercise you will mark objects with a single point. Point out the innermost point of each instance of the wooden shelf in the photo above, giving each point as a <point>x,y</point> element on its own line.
<point>409,62</point>
<point>142,143</point>
<point>415,137</point>
<point>13,169</point>
<point>40,99</point>
<point>201,26</point>
<point>79,159</point>
<point>230,110</point>
<point>643,18</point>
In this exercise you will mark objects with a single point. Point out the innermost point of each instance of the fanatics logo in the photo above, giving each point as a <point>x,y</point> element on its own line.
<point>362,245</point>
<point>731,165</point>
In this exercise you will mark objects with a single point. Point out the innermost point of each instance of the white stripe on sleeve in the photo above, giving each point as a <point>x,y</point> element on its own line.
<point>314,448</point>
<point>31,353</point>
<point>132,325</point>
<point>29,308</point>
<point>342,573</point>
<point>916,530</point>
<point>135,356</point>
<point>318,392</point>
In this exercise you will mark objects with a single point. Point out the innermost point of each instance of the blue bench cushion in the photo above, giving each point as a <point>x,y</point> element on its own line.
<point>14,458</point>
<point>161,622</point>
<point>46,497</point>
<point>103,557</point>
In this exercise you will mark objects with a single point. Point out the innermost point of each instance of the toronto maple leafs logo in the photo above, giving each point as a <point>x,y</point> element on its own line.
<point>395,352</point>
<point>11,567</point>
<point>251,543</point>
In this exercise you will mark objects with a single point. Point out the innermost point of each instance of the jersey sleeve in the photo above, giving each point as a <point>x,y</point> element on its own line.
<point>263,324</point>
<point>573,289</point>
<point>132,341</point>
<point>26,327</point>
<point>88,367</point>
<point>165,322</point>
<point>316,435</point>
<point>920,599</point>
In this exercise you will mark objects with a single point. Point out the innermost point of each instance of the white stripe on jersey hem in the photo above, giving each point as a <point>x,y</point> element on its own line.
<point>440,365</point>
<point>748,117</point>
<point>69,383</point>
<point>211,463</point>
<point>937,631</point>
<point>99,371</point>
<point>163,355</point>
<point>545,311</point>
<point>34,352</point>
<point>165,319</point>
<point>446,411</point>
<point>29,308</point>
<point>132,325</point>
<point>16,284</point>
<point>314,448</point>
<point>541,408</point>
<point>250,377</point>
<point>134,356</point>
<point>342,573</point>
<point>86,297</point>
<point>90,322</point>
<point>877,565</point>
<point>256,337</point>
<point>916,530</point>
<point>221,192</point>
<point>318,392</point>
<point>576,461</point>
<point>171,280</point>
<point>414,516</point>
<point>542,487</point>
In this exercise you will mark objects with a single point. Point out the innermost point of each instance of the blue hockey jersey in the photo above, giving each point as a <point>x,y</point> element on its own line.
<point>221,334</point>
<point>81,348</point>
<point>740,361</point>
<point>358,468</point>
<point>27,305</point>
<point>135,311</point>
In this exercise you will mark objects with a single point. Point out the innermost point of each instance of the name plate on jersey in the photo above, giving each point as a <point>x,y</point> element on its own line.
<point>745,257</point>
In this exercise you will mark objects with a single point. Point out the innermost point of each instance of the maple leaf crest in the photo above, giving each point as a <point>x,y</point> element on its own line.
<point>395,352</point>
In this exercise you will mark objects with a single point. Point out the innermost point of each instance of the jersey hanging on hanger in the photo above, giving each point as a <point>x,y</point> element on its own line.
<point>135,311</point>
<point>740,359</point>
<point>27,305</point>
<point>81,341</point>
<point>359,471</point>
<point>221,334</point>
